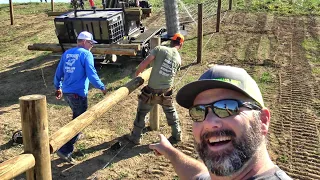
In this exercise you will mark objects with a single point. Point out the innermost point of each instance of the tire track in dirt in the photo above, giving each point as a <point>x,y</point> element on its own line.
<point>312,31</point>
<point>296,128</point>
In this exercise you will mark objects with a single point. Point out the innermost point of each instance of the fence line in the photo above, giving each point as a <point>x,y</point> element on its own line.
<point>196,59</point>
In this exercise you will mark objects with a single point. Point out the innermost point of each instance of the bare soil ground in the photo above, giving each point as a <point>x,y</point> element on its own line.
<point>258,42</point>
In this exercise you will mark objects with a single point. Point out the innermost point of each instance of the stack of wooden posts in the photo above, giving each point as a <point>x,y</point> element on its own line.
<point>117,49</point>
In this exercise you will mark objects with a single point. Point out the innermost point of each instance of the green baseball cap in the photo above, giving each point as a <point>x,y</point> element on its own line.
<point>219,76</point>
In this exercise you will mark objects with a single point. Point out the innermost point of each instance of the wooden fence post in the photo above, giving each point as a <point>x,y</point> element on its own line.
<point>230,4</point>
<point>154,114</point>
<point>33,109</point>
<point>11,11</point>
<point>218,16</point>
<point>200,34</point>
<point>52,6</point>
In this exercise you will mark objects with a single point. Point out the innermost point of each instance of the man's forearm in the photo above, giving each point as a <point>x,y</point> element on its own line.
<point>141,67</point>
<point>185,166</point>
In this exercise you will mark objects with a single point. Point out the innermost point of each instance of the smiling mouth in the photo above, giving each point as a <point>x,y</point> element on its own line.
<point>217,141</point>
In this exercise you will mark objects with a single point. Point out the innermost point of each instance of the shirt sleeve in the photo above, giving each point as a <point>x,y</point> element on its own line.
<point>155,50</point>
<point>58,77</point>
<point>92,73</point>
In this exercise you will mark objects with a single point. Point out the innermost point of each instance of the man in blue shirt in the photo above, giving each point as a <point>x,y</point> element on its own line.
<point>75,70</point>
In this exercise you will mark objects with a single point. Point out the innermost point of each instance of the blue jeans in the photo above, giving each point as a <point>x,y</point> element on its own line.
<point>78,106</point>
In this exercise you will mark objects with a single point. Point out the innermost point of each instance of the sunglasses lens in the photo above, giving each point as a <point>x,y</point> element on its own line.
<point>222,108</point>
<point>226,108</point>
<point>198,113</point>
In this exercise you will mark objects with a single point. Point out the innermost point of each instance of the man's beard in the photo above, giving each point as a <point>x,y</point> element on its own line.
<point>231,161</point>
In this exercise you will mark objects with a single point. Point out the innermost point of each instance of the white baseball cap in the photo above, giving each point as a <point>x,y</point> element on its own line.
<point>85,35</point>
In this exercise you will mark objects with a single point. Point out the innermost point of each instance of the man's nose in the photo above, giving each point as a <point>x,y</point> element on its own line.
<point>212,121</point>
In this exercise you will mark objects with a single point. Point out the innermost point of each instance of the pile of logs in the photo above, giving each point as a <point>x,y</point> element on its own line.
<point>117,49</point>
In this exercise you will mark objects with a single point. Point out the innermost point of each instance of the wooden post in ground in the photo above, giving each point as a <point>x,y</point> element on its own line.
<point>218,16</point>
<point>154,114</point>
<point>33,109</point>
<point>200,34</point>
<point>11,11</point>
<point>52,6</point>
<point>230,4</point>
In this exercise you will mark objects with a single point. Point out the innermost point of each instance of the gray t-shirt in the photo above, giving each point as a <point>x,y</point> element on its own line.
<point>273,174</point>
<point>167,62</point>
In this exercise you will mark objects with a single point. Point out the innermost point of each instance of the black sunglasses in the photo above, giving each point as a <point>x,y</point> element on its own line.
<point>222,108</point>
<point>90,42</point>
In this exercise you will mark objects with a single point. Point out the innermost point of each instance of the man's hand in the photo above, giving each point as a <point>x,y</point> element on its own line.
<point>104,91</point>
<point>163,147</point>
<point>58,94</point>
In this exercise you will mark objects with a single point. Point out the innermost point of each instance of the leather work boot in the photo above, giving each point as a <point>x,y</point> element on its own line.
<point>133,139</point>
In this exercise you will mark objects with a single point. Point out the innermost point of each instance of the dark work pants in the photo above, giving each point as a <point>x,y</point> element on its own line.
<point>144,108</point>
<point>78,106</point>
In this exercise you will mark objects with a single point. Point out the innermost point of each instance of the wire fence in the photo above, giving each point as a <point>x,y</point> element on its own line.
<point>188,13</point>
<point>209,12</point>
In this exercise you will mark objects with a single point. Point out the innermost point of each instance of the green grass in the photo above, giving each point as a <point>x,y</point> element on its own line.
<point>56,106</point>
<point>266,78</point>
<point>81,149</point>
<point>283,159</point>
<point>311,46</point>
<point>284,7</point>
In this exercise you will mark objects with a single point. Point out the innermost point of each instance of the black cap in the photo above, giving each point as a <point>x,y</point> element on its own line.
<point>218,76</point>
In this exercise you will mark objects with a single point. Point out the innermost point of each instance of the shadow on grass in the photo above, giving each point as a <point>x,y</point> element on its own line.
<point>112,153</point>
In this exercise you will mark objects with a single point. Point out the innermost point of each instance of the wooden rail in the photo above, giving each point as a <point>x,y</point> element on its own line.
<point>16,165</point>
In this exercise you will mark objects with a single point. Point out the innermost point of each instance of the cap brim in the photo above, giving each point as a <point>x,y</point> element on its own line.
<point>94,42</point>
<point>186,95</point>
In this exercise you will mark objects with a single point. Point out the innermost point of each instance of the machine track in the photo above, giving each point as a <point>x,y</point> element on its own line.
<point>296,128</point>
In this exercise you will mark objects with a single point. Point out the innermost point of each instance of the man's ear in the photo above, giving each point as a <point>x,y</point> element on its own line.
<point>265,119</point>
